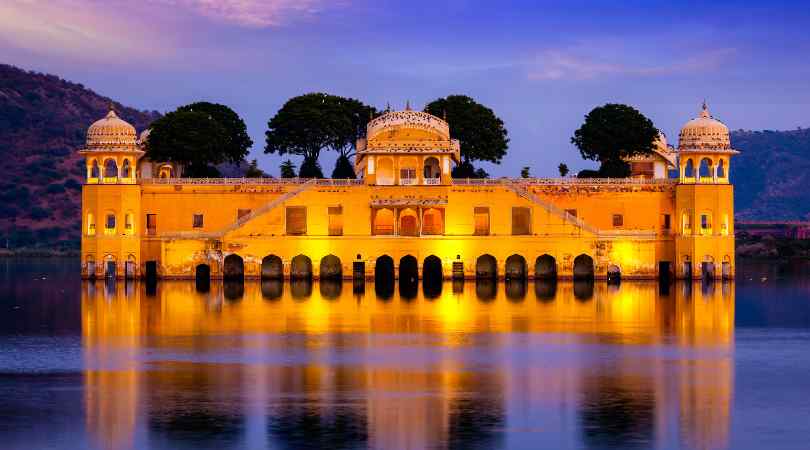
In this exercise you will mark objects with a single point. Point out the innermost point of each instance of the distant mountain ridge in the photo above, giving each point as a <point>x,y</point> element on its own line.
<point>43,121</point>
<point>771,175</point>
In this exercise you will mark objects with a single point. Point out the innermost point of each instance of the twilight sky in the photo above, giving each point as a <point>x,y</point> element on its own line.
<point>541,66</point>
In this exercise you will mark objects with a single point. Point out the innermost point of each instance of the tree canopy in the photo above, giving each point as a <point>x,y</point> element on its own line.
<point>288,169</point>
<point>482,134</point>
<point>310,123</point>
<point>199,136</point>
<point>613,132</point>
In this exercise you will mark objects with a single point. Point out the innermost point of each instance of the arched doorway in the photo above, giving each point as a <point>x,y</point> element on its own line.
<point>432,269</point>
<point>233,267</point>
<point>408,223</point>
<point>301,268</point>
<point>545,268</point>
<point>432,222</point>
<point>272,268</point>
<point>384,277</point>
<point>129,268</point>
<point>202,277</point>
<point>331,268</point>
<point>408,269</point>
<point>110,169</point>
<point>687,267</point>
<point>151,271</point>
<point>515,268</point>
<point>583,267</point>
<point>486,267</point>
<point>707,268</point>
<point>384,222</point>
<point>705,169</point>
<point>432,276</point>
<point>614,274</point>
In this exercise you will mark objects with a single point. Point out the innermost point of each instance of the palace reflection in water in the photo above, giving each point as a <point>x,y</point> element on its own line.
<point>280,365</point>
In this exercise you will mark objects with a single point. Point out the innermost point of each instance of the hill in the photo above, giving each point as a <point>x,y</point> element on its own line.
<point>43,121</point>
<point>771,175</point>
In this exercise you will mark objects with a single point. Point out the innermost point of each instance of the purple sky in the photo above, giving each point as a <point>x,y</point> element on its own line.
<point>541,67</point>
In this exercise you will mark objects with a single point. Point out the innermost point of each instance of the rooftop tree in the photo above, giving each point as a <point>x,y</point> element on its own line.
<point>199,136</point>
<point>482,134</point>
<point>310,123</point>
<point>610,134</point>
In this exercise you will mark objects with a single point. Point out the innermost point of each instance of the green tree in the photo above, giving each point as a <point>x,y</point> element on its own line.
<point>253,171</point>
<point>524,172</point>
<point>311,123</point>
<point>310,168</point>
<point>467,170</point>
<point>288,169</point>
<point>343,168</point>
<point>613,132</point>
<point>198,136</point>
<point>563,168</point>
<point>482,134</point>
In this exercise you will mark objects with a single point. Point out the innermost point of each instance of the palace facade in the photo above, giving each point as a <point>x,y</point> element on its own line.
<point>406,216</point>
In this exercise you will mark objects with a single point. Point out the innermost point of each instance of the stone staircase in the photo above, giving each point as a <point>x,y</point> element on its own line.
<point>267,207</point>
<point>521,191</point>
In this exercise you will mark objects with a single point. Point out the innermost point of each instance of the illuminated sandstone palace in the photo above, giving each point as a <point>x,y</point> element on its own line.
<point>406,216</point>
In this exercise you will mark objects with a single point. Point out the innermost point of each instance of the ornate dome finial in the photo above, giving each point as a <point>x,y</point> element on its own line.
<point>704,111</point>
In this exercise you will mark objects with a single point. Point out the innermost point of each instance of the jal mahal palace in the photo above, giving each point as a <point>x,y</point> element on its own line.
<point>405,216</point>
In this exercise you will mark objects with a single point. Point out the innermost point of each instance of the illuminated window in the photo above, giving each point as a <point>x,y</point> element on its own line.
<point>296,220</point>
<point>197,221</point>
<point>481,218</point>
<point>129,225</point>
<point>521,221</point>
<point>109,224</point>
<point>91,225</point>
<point>686,222</point>
<point>335,220</point>
<point>618,221</point>
<point>724,225</point>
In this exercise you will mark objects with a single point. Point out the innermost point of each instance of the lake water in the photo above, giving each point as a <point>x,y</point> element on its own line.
<point>283,366</point>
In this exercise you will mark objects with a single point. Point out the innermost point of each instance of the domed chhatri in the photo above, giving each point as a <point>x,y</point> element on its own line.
<point>111,132</point>
<point>704,133</point>
<point>407,147</point>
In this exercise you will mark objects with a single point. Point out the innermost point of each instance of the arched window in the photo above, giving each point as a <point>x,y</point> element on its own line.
<point>686,222</point>
<point>724,225</point>
<point>110,169</point>
<point>721,169</point>
<point>126,170</point>
<point>705,169</point>
<point>432,222</point>
<point>109,224</point>
<point>94,170</point>
<point>408,223</point>
<point>129,223</point>
<point>432,169</point>
<point>91,225</point>
<point>689,169</point>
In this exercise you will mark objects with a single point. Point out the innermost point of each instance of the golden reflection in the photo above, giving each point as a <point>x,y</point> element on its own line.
<point>265,360</point>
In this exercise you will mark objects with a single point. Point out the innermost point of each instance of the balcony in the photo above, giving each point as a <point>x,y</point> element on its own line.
<point>433,181</point>
<point>408,181</point>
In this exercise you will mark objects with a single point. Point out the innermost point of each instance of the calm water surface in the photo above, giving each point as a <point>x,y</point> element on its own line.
<point>281,366</point>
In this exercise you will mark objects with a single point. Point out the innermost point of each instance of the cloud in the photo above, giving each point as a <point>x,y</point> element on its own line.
<point>556,65</point>
<point>254,13</point>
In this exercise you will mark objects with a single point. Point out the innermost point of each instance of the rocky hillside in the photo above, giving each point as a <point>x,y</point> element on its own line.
<point>772,174</point>
<point>43,120</point>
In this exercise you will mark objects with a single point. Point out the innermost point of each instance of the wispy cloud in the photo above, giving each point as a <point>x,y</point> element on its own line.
<point>556,65</point>
<point>255,13</point>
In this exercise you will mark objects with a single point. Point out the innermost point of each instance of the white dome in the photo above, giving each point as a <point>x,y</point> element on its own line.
<point>704,133</point>
<point>111,133</point>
